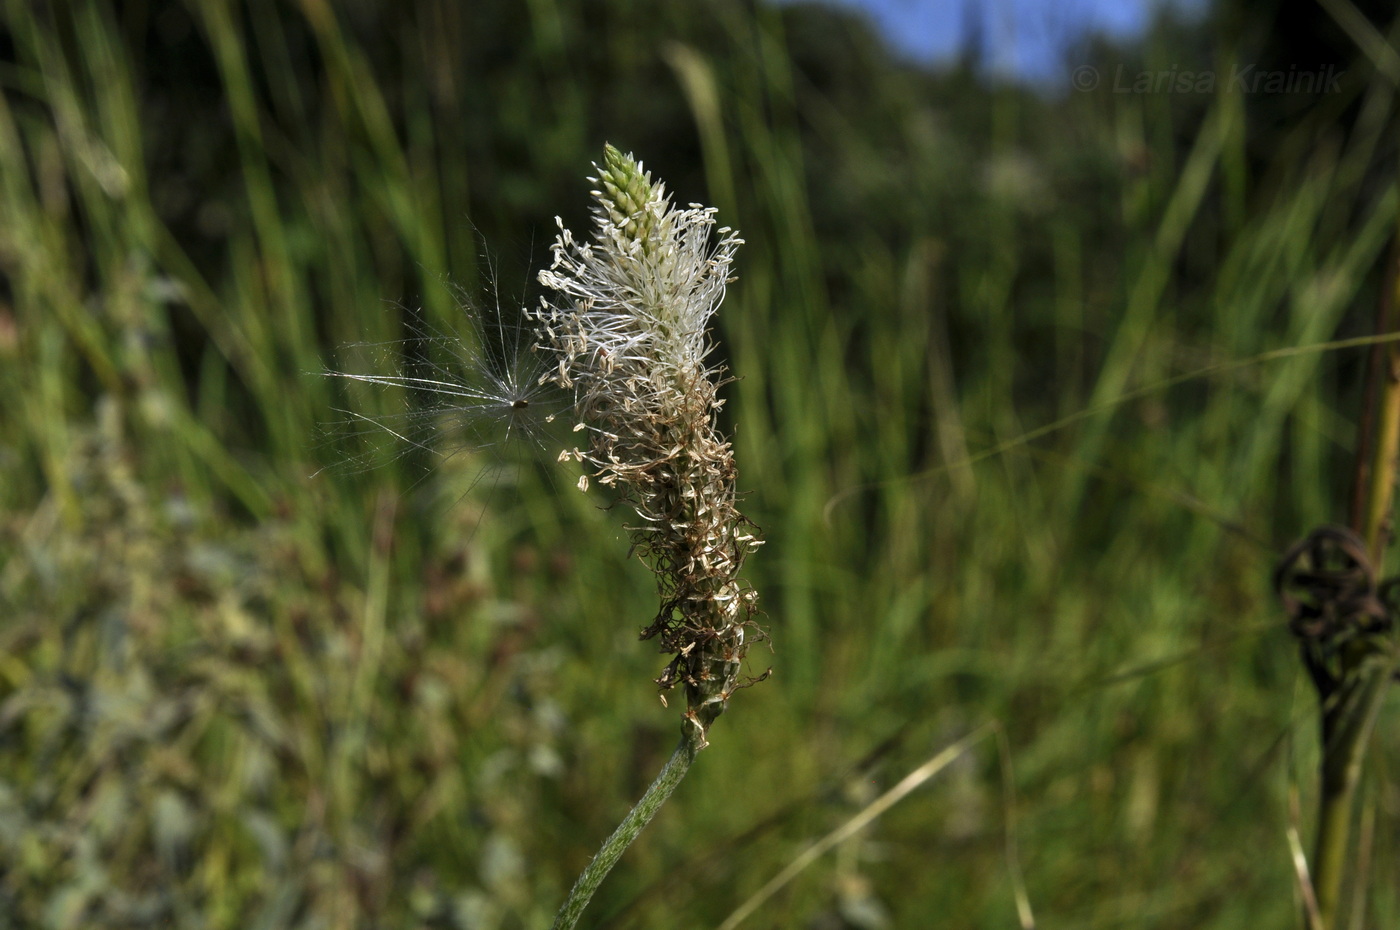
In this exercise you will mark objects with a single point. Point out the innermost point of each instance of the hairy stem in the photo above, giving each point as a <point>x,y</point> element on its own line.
<point>627,831</point>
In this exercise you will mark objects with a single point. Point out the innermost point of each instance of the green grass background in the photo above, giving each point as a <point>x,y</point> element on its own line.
<point>235,695</point>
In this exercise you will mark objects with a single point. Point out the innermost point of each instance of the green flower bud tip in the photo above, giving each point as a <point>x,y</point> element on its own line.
<point>628,197</point>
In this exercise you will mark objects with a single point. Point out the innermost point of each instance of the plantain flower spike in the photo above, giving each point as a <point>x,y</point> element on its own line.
<point>628,327</point>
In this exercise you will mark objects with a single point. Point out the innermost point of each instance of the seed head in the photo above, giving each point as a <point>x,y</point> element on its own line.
<point>628,330</point>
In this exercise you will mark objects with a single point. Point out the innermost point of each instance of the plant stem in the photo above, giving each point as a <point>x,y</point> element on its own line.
<point>1349,713</point>
<point>627,831</point>
<point>1346,729</point>
<point>1376,464</point>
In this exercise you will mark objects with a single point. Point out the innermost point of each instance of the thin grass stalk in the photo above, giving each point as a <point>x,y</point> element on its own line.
<point>1376,458</point>
<point>866,816</point>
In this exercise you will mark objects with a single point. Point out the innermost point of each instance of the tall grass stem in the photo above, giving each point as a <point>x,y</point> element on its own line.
<point>1349,714</point>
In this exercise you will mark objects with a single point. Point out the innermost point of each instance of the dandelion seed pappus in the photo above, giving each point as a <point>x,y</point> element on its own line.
<point>467,407</point>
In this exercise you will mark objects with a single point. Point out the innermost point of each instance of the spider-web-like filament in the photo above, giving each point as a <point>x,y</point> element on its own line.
<point>434,396</point>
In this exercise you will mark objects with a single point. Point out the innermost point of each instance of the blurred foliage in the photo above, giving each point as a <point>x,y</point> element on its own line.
<point>233,695</point>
